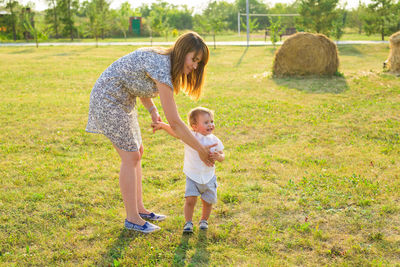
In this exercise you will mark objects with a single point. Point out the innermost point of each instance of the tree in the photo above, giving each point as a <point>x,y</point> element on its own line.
<point>339,23</point>
<point>279,8</point>
<point>122,17</point>
<point>354,17</point>
<point>380,17</point>
<point>31,27</point>
<point>144,9</point>
<point>275,30</point>
<point>253,24</point>
<point>158,18</point>
<point>255,7</point>
<point>230,14</point>
<point>103,8</point>
<point>318,15</point>
<point>90,10</point>
<point>68,9</point>
<point>215,17</point>
<point>52,16</point>
<point>180,18</point>
<point>11,6</point>
<point>201,24</point>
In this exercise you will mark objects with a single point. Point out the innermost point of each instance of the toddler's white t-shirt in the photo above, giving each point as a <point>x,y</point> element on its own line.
<point>193,166</point>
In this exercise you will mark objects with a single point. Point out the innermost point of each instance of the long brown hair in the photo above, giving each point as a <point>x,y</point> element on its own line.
<point>193,82</point>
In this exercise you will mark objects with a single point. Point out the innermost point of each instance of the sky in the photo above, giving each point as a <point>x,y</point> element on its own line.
<point>197,5</point>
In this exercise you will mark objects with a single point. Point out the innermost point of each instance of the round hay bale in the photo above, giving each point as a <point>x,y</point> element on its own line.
<point>306,54</point>
<point>394,55</point>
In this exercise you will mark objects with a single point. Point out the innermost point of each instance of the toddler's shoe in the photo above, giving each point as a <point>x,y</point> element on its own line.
<point>188,227</point>
<point>152,216</point>
<point>145,228</point>
<point>203,224</point>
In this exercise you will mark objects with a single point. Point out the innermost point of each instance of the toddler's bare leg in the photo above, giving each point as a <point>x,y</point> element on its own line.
<point>190,203</point>
<point>206,211</point>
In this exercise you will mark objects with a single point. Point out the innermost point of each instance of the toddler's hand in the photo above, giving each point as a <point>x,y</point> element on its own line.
<point>215,155</point>
<point>157,126</point>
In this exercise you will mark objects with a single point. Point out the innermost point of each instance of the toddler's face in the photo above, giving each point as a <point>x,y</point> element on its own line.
<point>205,124</point>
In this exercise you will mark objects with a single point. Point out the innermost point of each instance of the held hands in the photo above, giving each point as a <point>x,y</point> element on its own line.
<point>206,155</point>
<point>158,125</point>
<point>155,117</point>
<point>163,126</point>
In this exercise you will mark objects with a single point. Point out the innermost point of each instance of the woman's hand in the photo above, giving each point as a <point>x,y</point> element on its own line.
<point>149,105</point>
<point>155,116</point>
<point>206,155</point>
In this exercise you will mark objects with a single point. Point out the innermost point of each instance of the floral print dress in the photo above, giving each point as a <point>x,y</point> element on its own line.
<point>112,109</point>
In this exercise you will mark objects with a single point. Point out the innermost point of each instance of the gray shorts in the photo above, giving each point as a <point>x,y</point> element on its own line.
<point>208,191</point>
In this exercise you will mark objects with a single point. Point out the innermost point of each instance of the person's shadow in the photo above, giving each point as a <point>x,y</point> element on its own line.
<point>115,251</point>
<point>201,256</point>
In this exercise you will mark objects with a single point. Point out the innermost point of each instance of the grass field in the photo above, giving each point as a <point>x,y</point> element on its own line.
<point>311,175</point>
<point>349,35</point>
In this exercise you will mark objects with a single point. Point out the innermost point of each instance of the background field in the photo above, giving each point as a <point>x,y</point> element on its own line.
<point>349,35</point>
<point>311,175</point>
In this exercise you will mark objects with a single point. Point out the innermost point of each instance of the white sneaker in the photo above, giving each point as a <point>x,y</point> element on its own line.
<point>188,227</point>
<point>145,228</point>
<point>203,224</point>
<point>152,216</point>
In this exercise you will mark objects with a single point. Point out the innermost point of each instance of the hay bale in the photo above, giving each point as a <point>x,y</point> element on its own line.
<point>306,54</point>
<point>393,61</point>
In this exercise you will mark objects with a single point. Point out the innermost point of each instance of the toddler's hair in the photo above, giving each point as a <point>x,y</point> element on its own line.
<point>194,114</point>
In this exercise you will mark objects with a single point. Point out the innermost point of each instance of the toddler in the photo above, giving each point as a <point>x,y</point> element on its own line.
<point>200,179</point>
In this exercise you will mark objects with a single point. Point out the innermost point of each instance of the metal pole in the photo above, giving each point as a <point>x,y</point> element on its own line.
<point>247,22</point>
<point>239,23</point>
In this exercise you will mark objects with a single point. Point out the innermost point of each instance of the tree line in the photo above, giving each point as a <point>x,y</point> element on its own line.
<point>96,19</point>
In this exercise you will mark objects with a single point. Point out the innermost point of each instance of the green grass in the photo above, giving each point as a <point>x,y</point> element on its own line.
<point>311,175</point>
<point>222,37</point>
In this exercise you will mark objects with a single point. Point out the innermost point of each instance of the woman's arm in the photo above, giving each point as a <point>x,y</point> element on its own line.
<point>178,126</point>
<point>149,105</point>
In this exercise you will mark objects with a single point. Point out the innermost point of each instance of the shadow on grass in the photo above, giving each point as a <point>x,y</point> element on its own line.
<point>114,252</point>
<point>314,85</point>
<point>180,251</point>
<point>241,57</point>
<point>74,53</point>
<point>24,51</point>
<point>201,256</point>
<point>350,50</point>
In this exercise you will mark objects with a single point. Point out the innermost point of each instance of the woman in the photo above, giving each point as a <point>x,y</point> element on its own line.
<point>146,73</point>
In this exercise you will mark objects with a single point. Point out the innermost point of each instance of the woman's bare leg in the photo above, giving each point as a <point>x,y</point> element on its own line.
<point>140,204</point>
<point>128,184</point>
